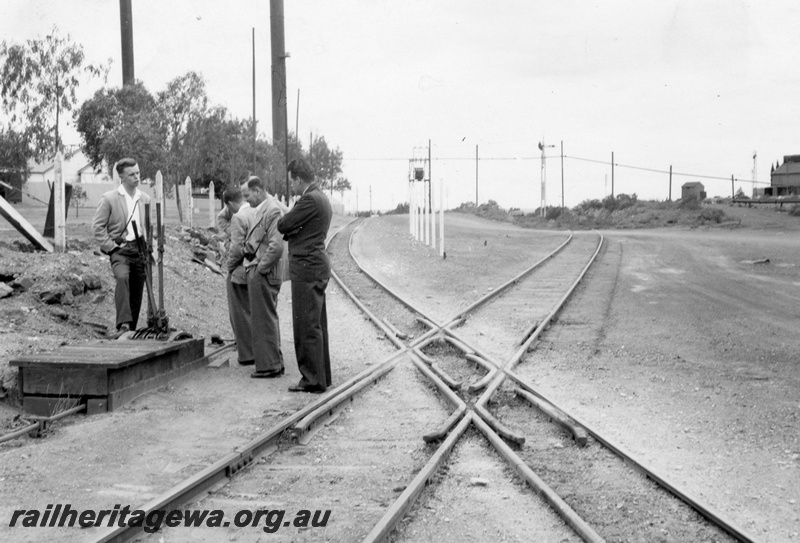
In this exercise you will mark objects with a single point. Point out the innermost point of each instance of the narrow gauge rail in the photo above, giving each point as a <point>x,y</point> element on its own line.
<point>302,422</point>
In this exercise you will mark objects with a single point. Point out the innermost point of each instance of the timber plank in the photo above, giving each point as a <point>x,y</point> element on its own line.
<point>65,381</point>
<point>111,354</point>
<point>23,226</point>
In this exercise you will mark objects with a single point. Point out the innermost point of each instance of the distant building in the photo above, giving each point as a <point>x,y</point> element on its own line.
<point>693,189</point>
<point>785,179</point>
<point>76,169</point>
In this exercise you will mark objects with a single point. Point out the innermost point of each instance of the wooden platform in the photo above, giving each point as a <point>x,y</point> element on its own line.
<point>106,374</point>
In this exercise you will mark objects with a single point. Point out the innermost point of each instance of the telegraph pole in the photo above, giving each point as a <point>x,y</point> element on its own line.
<point>280,130</point>
<point>126,28</point>
<point>254,102</point>
<point>476,176</point>
<point>542,148</point>
<point>562,175</point>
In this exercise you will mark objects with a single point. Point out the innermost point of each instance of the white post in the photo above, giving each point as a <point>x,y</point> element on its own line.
<point>425,213</point>
<point>419,214</point>
<point>187,189</point>
<point>410,208</point>
<point>59,220</point>
<point>211,206</point>
<point>441,217</point>
<point>433,216</point>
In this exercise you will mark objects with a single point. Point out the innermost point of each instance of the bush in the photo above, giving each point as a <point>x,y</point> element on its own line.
<point>399,210</point>
<point>691,202</point>
<point>712,215</point>
<point>794,211</point>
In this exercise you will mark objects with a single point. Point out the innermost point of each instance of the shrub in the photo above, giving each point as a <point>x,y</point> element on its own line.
<point>712,215</point>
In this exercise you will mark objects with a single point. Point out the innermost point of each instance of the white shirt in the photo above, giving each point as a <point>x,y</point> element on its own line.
<point>133,217</point>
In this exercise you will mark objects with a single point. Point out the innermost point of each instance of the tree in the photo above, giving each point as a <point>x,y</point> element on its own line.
<point>327,162</point>
<point>123,122</point>
<point>218,149</point>
<point>340,185</point>
<point>78,197</point>
<point>14,154</point>
<point>38,81</point>
<point>183,102</point>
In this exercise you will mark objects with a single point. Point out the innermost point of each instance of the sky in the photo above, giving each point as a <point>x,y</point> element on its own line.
<point>700,86</point>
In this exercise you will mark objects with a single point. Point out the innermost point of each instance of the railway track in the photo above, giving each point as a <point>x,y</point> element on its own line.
<point>451,386</point>
<point>447,400</point>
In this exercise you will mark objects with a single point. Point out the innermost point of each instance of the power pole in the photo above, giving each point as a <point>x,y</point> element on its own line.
<point>562,175</point>
<point>542,148</point>
<point>476,176</point>
<point>126,30</point>
<point>670,183</point>
<point>254,102</point>
<point>612,175</point>
<point>280,130</point>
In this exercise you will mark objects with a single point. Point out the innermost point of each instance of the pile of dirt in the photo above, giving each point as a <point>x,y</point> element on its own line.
<point>50,300</point>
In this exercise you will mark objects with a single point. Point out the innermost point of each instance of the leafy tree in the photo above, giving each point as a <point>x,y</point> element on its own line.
<point>218,149</point>
<point>38,81</point>
<point>183,102</point>
<point>340,185</point>
<point>78,197</point>
<point>14,154</point>
<point>122,122</point>
<point>327,162</point>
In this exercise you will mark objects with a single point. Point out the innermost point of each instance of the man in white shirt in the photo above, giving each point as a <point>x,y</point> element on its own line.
<point>113,226</point>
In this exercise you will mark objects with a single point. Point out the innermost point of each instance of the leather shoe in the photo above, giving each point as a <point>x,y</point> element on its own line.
<point>268,374</point>
<point>121,329</point>
<point>246,362</point>
<point>310,389</point>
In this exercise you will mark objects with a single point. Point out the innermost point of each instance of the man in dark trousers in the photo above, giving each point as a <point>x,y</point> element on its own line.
<point>305,227</point>
<point>265,262</point>
<point>236,283</point>
<point>113,226</point>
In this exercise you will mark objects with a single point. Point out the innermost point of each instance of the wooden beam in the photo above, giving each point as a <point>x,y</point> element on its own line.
<point>23,226</point>
<point>59,212</point>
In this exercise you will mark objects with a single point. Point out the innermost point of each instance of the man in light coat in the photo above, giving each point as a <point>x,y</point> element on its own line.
<point>242,216</point>
<point>265,263</point>
<point>119,217</point>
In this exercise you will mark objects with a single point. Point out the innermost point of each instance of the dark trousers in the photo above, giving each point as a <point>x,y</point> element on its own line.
<point>239,310</point>
<point>266,330</point>
<point>310,327</point>
<point>130,275</point>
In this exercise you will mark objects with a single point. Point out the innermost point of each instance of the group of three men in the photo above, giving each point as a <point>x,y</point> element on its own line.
<point>257,264</point>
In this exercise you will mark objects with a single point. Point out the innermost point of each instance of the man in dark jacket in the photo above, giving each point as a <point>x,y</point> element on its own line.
<point>305,227</point>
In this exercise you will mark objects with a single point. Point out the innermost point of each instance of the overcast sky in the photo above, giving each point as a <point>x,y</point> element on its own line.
<point>698,85</point>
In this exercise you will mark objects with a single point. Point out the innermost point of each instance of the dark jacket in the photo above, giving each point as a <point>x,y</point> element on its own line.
<point>305,227</point>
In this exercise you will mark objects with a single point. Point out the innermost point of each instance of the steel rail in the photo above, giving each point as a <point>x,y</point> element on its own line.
<point>718,520</point>
<point>494,385</point>
<point>406,303</point>
<point>507,370</point>
<point>467,415</point>
<point>404,502</point>
<point>230,463</point>
<point>494,293</point>
<point>581,527</point>
<point>482,418</point>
